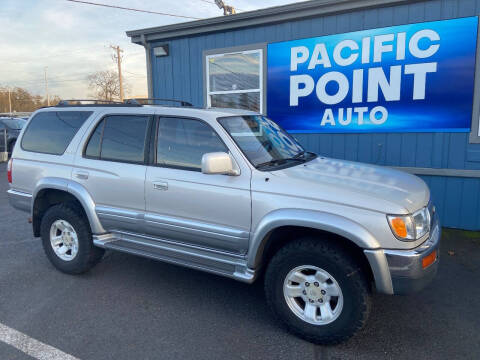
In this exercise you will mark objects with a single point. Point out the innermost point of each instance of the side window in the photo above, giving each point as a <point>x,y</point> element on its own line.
<point>93,147</point>
<point>51,132</point>
<point>119,138</point>
<point>182,143</point>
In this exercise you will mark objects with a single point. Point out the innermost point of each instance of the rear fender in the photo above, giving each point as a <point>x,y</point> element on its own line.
<point>78,191</point>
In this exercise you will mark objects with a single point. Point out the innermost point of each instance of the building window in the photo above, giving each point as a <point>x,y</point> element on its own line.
<point>235,80</point>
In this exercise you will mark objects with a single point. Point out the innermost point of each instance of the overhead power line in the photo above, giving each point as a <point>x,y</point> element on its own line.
<point>78,76</point>
<point>132,9</point>
<point>71,77</point>
<point>134,74</point>
<point>20,83</point>
<point>57,56</point>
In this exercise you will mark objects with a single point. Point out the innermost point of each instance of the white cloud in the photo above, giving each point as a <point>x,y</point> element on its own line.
<point>73,40</point>
<point>60,19</point>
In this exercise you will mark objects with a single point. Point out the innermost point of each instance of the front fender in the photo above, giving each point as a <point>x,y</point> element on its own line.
<point>77,190</point>
<point>332,223</point>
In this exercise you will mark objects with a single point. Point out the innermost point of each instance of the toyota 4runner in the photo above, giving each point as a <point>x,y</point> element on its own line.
<point>231,193</point>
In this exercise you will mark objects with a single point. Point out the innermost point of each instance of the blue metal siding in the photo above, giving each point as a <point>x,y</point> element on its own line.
<point>180,75</point>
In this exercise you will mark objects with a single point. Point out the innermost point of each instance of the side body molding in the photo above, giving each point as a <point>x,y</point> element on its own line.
<point>77,190</point>
<point>307,218</point>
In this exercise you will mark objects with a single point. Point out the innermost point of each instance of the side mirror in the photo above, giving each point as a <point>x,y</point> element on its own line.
<point>219,163</point>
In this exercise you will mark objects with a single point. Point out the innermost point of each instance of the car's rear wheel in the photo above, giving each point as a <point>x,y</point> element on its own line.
<point>64,240</point>
<point>67,240</point>
<point>318,291</point>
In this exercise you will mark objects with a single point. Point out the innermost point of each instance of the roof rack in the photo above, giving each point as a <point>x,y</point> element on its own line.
<point>127,102</point>
<point>93,102</point>
<point>151,101</point>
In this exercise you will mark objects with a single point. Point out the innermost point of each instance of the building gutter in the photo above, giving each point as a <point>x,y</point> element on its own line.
<point>271,15</point>
<point>463,173</point>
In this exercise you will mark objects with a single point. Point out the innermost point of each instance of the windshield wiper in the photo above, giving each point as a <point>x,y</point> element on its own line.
<point>279,162</point>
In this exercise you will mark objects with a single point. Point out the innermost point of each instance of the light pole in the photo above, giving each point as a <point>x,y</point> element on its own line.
<point>46,86</point>
<point>5,90</point>
<point>119,66</point>
<point>9,101</point>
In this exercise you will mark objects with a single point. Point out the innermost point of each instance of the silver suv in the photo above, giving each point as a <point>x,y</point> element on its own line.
<point>231,193</point>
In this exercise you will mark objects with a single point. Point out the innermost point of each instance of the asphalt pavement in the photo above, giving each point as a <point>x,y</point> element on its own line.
<point>129,307</point>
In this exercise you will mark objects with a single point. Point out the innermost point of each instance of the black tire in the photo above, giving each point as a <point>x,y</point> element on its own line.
<point>346,271</point>
<point>87,256</point>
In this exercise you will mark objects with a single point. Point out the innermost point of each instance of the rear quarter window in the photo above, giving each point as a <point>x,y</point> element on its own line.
<point>51,132</point>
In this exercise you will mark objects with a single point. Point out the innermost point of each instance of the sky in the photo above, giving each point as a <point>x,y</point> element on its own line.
<point>72,40</point>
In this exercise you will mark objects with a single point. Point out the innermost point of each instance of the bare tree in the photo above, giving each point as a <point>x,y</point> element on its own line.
<point>22,100</point>
<point>104,84</point>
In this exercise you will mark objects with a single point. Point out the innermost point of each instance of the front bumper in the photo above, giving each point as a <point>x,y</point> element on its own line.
<point>402,272</point>
<point>406,268</point>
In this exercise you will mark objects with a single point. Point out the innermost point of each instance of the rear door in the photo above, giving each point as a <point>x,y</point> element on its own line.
<point>112,168</point>
<point>187,206</point>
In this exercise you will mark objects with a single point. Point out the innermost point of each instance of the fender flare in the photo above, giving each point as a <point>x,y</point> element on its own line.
<point>78,191</point>
<point>332,223</point>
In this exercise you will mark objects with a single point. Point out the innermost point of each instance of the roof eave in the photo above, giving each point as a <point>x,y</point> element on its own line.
<point>277,14</point>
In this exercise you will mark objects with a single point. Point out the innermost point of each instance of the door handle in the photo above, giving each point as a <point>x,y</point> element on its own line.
<point>81,175</point>
<point>160,185</point>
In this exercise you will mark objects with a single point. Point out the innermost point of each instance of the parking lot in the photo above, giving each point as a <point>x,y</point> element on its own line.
<point>133,308</point>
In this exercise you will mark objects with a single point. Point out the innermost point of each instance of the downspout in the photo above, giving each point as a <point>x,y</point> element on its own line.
<point>148,52</point>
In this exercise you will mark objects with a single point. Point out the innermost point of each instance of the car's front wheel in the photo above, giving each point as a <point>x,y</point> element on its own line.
<point>67,239</point>
<point>318,291</point>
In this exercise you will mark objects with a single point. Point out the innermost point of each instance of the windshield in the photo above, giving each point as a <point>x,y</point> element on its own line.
<point>262,141</point>
<point>15,124</point>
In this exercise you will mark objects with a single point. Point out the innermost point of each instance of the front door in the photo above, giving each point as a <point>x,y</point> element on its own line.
<point>112,168</point>
<point>187,206</point>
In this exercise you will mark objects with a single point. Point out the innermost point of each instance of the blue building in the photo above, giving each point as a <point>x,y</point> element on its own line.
<point>388,82</point>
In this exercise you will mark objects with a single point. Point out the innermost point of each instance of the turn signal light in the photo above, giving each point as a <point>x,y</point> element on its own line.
<point>399,227</point>
<point>429,259</point>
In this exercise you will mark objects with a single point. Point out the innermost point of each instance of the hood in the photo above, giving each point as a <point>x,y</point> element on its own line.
<point>367,186</point>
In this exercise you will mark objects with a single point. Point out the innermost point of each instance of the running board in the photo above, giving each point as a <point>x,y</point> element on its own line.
<point>213,261</point>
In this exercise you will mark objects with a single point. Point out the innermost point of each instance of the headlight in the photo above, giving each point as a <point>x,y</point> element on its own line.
<point>421,219</point>
<point>410,227</point>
